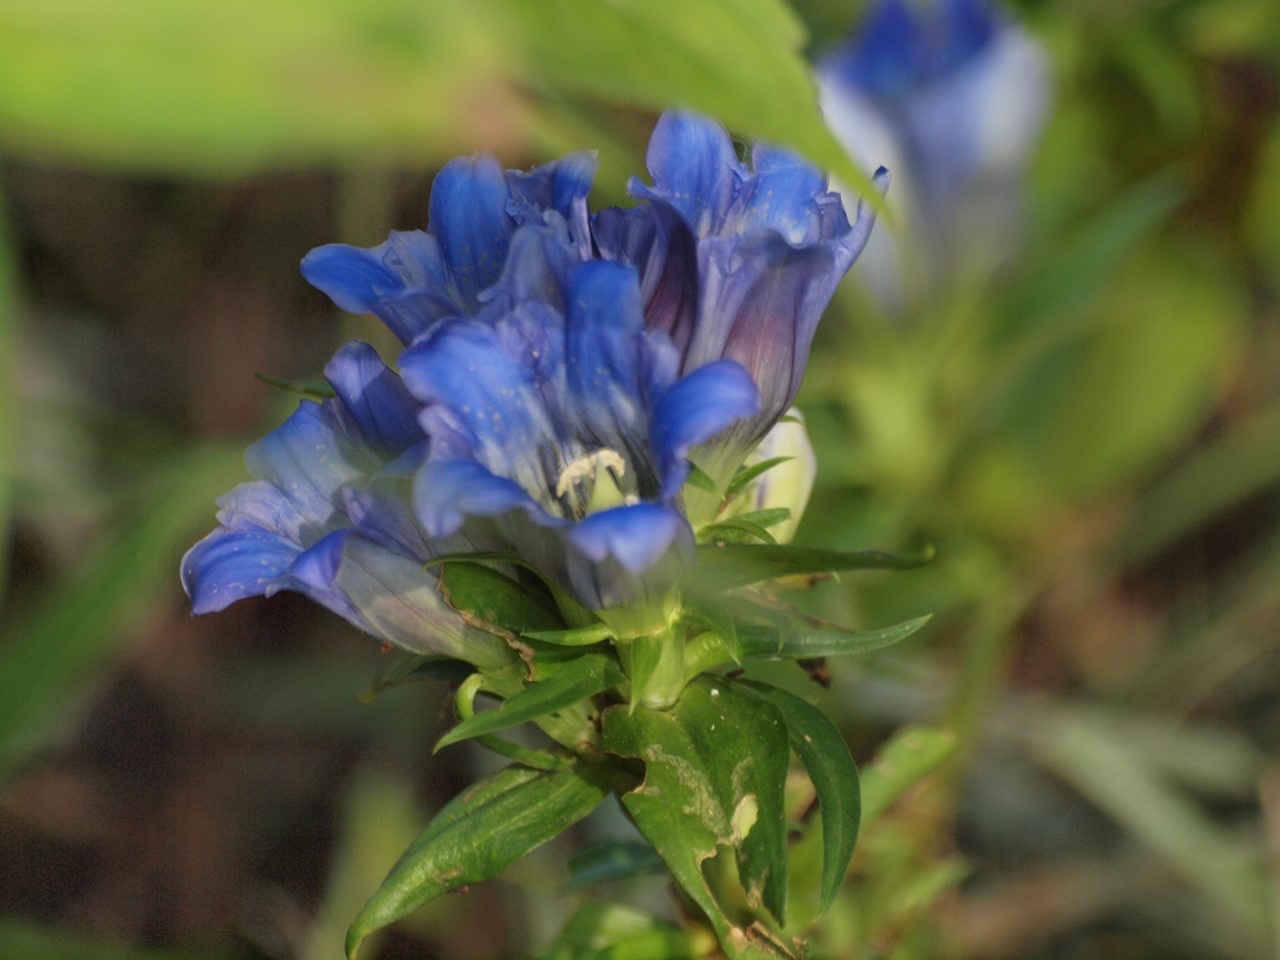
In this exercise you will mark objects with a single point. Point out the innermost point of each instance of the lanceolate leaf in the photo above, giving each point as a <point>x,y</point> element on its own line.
<point>725,566</point>
<point>577,680</point>
<point>904,761</point>
<point>715,768</point>
<point>826,757</point>
<point>801,644</point>
<point>747,474</point>
<point>478,835</point>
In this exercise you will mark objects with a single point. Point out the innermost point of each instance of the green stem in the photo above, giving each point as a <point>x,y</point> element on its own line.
<point>655,664</point>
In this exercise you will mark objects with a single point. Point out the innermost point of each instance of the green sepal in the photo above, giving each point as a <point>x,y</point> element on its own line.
<point>717,619</point>
<point>701,480</point>
<point>615,860</point>
<point>715,769</point>
<point>480,833</point>
<point>745,475</point>
<point>575,681</point>
<point>834,775</point>
<point>724,566</point>
<point>317,390</point>
<point>420,667</point>
<point>490,600</point>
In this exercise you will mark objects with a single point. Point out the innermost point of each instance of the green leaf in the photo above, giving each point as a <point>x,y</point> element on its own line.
<point>826,757</point>
<point>577,680</point>
<point>699,478</point>
<point>726,566</point>
<point>577,637</point>
<point>479,834</point>
<point>1228,868</point>
<point>766,518</point>
<point>799,644</point>
<point>912,754</point>
<point>310,389</point>
<point>739,60</point>
<point>493,601</point>
<point>1220,473</point>
<point>616,860</point>
<point>715,769</point>
<point>734,530</point>
<point>745,475</point>
<point>610,931</point>
<point>716,618</point>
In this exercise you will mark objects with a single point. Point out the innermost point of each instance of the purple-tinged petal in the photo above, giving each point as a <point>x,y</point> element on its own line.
<point>446,492</point>
<point>230,565</point>
<point>309,462</point>
<point>381,412</point>
<point>391,597</point>
<point>694,168</point>
<point>702,405</point>
<point>259,505</point>
<point>468,215</point>
<point>402,281</point>
<point>783,197</point>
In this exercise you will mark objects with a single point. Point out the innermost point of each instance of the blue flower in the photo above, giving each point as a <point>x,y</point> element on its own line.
<point>418,278</point>
<point>560,372</point>
<point>952,97</point>
<point>319,519</point>
<point>572,430</point>
<point>737,263</point>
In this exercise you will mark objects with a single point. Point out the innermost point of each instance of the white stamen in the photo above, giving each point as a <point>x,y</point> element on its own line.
<point>588,467</point>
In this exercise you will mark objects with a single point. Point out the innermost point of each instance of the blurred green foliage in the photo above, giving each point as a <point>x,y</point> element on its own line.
<point>1089,436</point>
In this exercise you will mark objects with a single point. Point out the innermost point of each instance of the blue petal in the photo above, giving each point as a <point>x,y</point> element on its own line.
<point>483,402</point>
<point>888,56</point>
<point>603,333</point>
<point>468,215</point>
<point>375,400</point>
<point>261,506</point>
<point>695,410</point>
<point>694,168</point>
<point>636,536</point>
<point>783,194</point>
<point>229,565</point>
<point>775,322</point>
<point>308,461</point>
<point>562,186</point>
<point>391,597</point>
<point>446,492</point>
<point>402,281</point>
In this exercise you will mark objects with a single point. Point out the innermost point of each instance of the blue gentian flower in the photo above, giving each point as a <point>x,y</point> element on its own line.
<point>561,372</point>
<point>952,96</point>
<point>318,519</point>
<point>738,263</point>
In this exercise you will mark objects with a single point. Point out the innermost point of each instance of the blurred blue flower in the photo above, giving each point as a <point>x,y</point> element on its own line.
<point>952,97</point>
<point>555,384</point>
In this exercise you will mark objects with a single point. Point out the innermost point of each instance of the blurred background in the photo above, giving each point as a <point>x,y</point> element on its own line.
<point>1059,365</point>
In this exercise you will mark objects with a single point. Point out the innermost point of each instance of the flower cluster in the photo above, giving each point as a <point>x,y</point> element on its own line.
<point>952,96</point>
<point>563,373</point>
